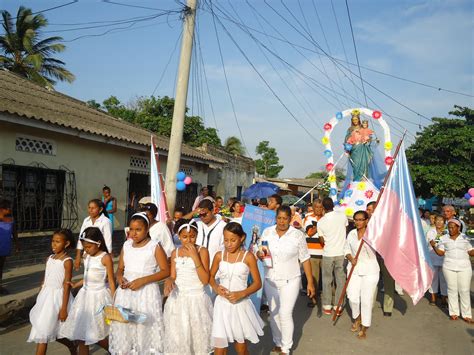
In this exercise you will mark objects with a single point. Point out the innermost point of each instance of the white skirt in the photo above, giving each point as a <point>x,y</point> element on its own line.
<point>84,321</point>
<point>235,323</point>
<point>188,323</point>
<point>45,325</point>
<point>133,338</point>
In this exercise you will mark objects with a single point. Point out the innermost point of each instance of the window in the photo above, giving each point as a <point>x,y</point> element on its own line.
<point>35,145</point>
<point>139,162</point>
<point>37,196</point>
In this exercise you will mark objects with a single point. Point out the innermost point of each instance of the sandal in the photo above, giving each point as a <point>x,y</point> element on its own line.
<point>276,349</point>
<point>356,326</point>
<point>468,320</point>
<point>361,335</point>
<point>453,317</point>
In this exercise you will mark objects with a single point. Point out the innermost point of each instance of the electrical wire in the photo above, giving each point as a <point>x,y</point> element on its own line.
<point>165,70</point>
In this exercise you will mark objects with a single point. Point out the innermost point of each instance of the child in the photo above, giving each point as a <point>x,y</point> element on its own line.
<point>97,218</point>
<point>235,317</point>
<point>7,236</point>
<point>142,264</point>
<point>54,300</point>
<point>85,324</point>
<point>188,310</point>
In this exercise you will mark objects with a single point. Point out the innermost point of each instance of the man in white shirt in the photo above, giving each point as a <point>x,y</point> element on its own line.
<point>210,229</point>
<point>204,193</point>
<point>332,234</point>
<point>159,231</point>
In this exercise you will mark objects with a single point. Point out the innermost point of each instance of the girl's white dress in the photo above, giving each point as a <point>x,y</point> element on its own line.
<point>133,338</point>
<point>45,324</point>
<point>85,321</point>
<point>188,312</point>
<point>234,322</point>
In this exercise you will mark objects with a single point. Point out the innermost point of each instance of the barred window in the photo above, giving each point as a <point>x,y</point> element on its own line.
<point>35,145</point>
<point>187,170</point>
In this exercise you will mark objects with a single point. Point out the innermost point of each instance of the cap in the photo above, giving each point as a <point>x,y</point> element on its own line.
<point>145,200</point>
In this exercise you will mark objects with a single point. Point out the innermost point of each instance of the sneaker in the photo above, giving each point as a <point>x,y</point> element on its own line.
<point>327,312</point>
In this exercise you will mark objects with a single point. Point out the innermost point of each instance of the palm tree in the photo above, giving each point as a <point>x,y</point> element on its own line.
<point>22,51</point>
<point>233,145</point>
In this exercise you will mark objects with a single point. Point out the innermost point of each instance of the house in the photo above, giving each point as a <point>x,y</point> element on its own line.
<point>56,154</point>
<point>314,188</point>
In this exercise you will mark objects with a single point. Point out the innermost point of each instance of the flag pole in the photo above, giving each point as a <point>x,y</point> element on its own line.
<point>161,178</point>
<point>344,289</point>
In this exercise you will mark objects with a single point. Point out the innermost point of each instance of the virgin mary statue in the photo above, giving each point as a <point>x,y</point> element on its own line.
<point>357,145</point>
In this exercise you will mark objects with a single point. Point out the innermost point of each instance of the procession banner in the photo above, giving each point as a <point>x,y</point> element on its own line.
<point>254,221</point>
<point>157,187</point>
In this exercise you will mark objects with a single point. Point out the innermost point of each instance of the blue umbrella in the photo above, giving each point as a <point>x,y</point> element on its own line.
<point>260,190</point>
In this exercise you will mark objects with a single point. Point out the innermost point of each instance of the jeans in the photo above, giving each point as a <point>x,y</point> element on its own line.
<point>330,265</point>
<point>281,296</point>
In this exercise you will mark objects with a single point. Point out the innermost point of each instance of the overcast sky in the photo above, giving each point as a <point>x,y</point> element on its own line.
<point>430,42</point>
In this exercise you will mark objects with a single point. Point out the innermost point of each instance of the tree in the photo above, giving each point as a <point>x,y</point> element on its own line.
<point>156,114</point>
<point>25,53</point>
<point>441,159</point>
<point>340,175</point>
<point>268,164</point>
<point>233,145</point>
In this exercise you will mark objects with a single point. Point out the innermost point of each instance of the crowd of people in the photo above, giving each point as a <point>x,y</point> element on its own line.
<point>187,279</point>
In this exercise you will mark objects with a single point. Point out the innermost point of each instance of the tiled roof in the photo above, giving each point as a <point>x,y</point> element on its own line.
<point>24,98</point>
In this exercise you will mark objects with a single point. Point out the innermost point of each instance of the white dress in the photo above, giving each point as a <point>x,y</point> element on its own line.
<point>234,322</point>
<point>45,324</point>
<point>84,321</point>
<point>144,338</point>
<point>188,312</point>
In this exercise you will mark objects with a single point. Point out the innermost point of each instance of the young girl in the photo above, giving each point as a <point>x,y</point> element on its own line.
<point>54,300</point>
<point>97,218</point>
<point>235,317</point>
<point>142,264</point>
<point>85,324</point>
<point>188,310</point>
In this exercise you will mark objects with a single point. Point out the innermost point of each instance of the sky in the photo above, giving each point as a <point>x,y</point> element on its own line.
<point>290,64</point>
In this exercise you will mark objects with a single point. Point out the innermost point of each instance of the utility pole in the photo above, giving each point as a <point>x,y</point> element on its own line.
<point>176,139</point>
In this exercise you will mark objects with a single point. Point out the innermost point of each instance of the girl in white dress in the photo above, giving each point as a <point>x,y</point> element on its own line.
<point>54,299</point>
<point>235,317</point>
<point>142,264</point>
<point>85,323</point>
<point>188,309</point>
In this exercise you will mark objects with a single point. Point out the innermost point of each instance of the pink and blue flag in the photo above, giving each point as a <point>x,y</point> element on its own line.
<point>157,186</point>
<point>396,233</point>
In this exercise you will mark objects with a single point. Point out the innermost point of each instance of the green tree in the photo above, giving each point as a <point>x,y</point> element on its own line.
<point>23,51</point>
<point>233,145</point>
<point>441,159</point>
<point>340,174</point>
<point>156,114</point>
<point>268,164</point>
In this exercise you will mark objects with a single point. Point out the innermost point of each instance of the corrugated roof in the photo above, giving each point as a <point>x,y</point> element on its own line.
<point>22,97</point>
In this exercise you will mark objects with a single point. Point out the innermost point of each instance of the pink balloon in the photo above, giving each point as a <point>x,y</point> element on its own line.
<point>471,201</point>
<point>187,180</point>
<point>471,191</point>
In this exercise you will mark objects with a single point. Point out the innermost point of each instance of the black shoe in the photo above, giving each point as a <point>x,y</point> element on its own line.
<point>387,314</point>
<point>311,304</point>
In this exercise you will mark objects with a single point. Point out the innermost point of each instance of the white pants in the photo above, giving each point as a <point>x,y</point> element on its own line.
<point>439,282</point>
<point>281,297</point>
<point>361,292</point>
<point>459,283</point>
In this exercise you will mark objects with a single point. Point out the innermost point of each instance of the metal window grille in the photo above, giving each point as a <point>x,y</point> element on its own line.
<point>38,196</point>
<point>187,170</point>
<point>139,162</point>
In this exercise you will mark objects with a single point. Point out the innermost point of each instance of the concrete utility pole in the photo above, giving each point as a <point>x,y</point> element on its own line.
<point>176,139</point>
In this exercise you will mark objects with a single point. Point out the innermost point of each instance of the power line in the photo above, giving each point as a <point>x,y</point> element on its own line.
<point>227,82</point>
<point>355,50</point>
<point>50,9</point>
<point>128,5</point>
<point>167,64</point>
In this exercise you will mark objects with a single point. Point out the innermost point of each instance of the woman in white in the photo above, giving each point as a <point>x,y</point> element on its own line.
<point>456,249</point>
<point>439,283</point>
<point>288,249</point>
<point>361,289</point>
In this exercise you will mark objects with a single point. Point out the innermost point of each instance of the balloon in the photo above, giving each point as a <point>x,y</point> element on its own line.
<point>471,201</point>
<point>187,180</point>
<point>327,153</point>
<point>467,196</point>
<point>339,115</point>
<point>376,114</point>
<point>471,191</point>
<point>180,186</point>
<point>180,176</point>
